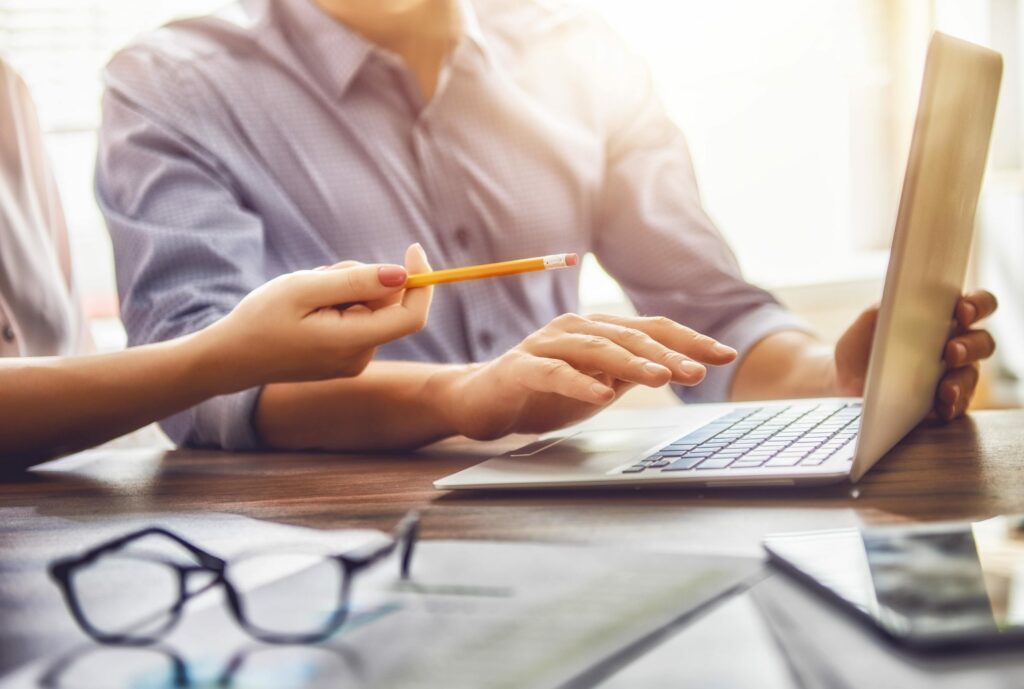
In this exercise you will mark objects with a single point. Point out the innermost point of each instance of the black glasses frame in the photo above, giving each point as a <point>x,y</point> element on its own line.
<point>63,571</point>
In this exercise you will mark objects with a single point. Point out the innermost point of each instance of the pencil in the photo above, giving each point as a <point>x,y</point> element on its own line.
<point>490,270</point>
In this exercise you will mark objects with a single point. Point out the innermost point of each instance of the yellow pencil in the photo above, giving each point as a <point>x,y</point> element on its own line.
<point>490,270</point>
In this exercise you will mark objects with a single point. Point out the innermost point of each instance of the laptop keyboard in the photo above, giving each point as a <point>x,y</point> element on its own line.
<point>751,437</point>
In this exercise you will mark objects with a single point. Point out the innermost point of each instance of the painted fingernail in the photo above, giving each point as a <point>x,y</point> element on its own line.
<point>723,350</point>
<point>391,276</point>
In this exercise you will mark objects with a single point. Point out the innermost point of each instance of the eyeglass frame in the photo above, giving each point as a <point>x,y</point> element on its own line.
<point>63,570</point>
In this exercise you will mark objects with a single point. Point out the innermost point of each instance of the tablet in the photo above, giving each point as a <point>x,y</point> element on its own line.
<point>928,586</point>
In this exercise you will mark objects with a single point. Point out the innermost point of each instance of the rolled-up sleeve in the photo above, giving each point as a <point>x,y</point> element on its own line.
<point>654,237</point>
<point>185,248</point>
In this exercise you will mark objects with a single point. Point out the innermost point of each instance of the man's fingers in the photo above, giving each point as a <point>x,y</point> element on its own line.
<point>972,346</point>
<point>975,306</point>
<point>623,353</point>
<point>589,352</point>
<point>323,288</point>
<point>555,376</point>
<point>684,370</point>
<point>677,337</point>
<point>955,391</point>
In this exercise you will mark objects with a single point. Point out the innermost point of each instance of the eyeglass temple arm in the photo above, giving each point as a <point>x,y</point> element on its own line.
<point>405,534</point>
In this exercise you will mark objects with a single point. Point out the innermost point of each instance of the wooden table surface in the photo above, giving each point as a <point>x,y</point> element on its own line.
<point>973,467</point>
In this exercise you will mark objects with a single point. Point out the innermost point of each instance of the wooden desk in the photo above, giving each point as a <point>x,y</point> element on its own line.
<point>971,468</point>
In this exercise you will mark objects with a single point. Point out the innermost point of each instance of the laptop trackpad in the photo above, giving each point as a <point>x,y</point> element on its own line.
<point>590,442</point>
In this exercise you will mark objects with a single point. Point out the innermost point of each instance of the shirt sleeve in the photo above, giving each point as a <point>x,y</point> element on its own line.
<point>654,237</point>
<point>185,248</point>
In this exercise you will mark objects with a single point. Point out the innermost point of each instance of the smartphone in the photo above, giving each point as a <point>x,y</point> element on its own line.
<point>929,586</point>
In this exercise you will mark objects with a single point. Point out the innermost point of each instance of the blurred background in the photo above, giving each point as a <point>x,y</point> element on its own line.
<point>798,114</point>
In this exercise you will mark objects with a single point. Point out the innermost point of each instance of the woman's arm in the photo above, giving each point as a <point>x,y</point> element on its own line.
<point>286,330</point>
<point>54,405</point>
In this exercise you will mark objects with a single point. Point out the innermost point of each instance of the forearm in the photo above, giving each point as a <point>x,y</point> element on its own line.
<point>390,405</point>
<point>51,406</point>
<point>788,364</point>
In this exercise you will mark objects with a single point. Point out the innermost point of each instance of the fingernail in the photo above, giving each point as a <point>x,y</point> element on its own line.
<point>723,350</point>
<point>960,351</point>
<point>600,390</point>
<point>950,393</point>
<point>653,368</point>
<point>970,312</point>
<point>321,268</point>
<point>391,276</point>
<point>691,368</point>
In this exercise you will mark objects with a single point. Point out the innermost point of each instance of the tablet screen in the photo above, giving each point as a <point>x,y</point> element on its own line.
<point>928,584</point>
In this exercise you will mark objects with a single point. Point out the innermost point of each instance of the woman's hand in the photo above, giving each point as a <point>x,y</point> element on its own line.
<point>318,324</point>
<point>571,369</point>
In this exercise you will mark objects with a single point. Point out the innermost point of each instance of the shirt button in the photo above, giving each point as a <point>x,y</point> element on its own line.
<point>462,236</point>
<point>486,339</point>
<point>8,333</point>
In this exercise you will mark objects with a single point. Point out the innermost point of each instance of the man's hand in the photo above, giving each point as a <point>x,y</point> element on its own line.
<point>965,348</point>
<point>572,368</point>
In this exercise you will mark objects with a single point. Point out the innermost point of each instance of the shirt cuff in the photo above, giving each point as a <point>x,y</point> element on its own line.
<point>224,422</point>
<point>741,334</point>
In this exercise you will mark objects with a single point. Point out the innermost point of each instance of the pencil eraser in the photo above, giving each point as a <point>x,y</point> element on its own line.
<point>571,259</point>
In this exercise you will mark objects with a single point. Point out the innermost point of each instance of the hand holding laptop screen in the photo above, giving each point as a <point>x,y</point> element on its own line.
<point>967,346</point>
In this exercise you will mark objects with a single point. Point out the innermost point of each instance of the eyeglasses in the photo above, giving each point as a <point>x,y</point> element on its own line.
<point>131,591</point>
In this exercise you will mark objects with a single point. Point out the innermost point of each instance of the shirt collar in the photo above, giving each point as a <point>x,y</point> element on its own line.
<point>339,53</point>
<point>471,31</point>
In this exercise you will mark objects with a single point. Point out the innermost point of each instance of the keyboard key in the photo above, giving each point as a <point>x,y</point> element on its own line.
<point>784,461</point>
<point>684,463</point>
<point>715,462</point>
<point>635,469</point>
<point>700,435</point>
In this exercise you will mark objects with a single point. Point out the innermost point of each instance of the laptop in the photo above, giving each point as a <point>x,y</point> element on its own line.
<point>828,440</point>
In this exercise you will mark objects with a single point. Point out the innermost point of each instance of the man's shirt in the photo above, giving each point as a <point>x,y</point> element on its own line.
<point>270,137</point>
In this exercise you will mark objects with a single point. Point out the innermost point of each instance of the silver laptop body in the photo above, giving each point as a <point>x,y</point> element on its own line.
<point>819,440</point>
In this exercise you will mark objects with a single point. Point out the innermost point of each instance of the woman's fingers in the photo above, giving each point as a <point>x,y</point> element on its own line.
<point>557,377</point>
<point>676,337</point>
<point>975,306</point>
<point>417,299</point>
<point>409,314</point>
<point>972,346</point>
<point>317,289</point>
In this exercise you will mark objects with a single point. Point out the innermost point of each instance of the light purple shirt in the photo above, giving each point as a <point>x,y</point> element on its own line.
<point>269,138</point>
